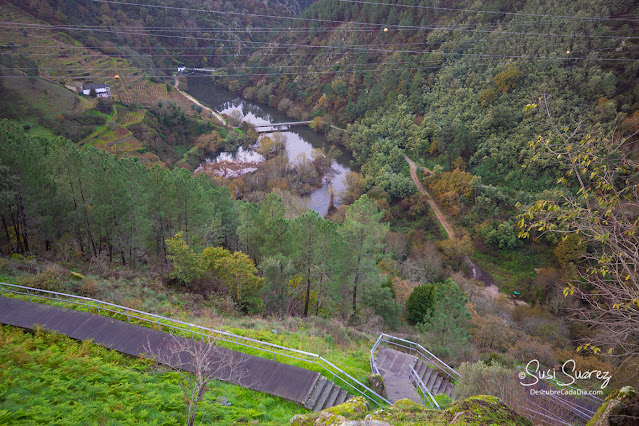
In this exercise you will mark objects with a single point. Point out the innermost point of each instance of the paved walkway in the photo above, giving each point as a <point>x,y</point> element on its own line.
<point>260,374</point>
<point>394,366</point>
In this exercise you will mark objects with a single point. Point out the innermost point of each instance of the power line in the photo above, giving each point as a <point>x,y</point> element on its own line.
<point>132,68</point>
<point>365,48</point>
<point>347,22</point>
<point>453,9</point>
<point>124,76</point>
<point>363,27</point>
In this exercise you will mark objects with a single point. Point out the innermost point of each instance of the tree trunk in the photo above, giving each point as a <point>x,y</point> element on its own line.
<point>308,292</point>
<point>319,292</point>
<point>6,231</point>
<point>16,231</point>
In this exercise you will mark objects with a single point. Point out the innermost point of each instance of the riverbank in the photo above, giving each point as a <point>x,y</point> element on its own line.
<point>302,143</point>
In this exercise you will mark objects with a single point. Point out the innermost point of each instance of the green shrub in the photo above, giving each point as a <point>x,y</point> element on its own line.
<point>420,303</point>
<point>482,379</point>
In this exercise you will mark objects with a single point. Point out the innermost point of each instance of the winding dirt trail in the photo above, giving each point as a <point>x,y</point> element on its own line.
<point>490,288</point>
<point>431,201</point>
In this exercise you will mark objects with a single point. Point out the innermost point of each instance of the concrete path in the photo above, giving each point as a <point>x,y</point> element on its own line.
<point>260,374</point>
<point>394,366</point>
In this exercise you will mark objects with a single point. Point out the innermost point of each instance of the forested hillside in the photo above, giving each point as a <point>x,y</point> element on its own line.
<point>512,238</point>
<point>463,77</point>
<point>159,35</point>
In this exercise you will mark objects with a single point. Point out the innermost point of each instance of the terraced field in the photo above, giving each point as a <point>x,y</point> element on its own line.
<point>61,59</point>
<point>64,60</point>
<point>128,118</point>
<point>147,93</point>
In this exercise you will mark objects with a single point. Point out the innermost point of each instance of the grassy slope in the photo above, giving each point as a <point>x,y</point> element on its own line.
<point>48,378</point>
<point>346,347</point>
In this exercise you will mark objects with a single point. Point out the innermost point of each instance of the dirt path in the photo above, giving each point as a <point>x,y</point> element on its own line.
<point>196,102</point>
<point>490,288</point>
<point>431,201</point>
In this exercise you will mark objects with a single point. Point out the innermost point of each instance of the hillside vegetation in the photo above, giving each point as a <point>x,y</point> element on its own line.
<point>522,119</point>
<point>51,378</point>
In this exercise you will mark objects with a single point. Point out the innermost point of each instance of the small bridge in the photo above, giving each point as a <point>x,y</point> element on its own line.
<point>267,128</point>
<point>114,327</point>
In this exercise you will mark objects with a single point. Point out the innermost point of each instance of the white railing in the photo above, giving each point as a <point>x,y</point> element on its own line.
<point>414,349</point>
<point>427,397</point>
<point>169,325</point>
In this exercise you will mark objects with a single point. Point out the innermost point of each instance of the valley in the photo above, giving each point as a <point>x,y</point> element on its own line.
<point>312,176</point>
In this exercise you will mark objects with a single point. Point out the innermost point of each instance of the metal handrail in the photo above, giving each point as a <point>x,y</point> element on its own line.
<point>374,368</point>
<point>554,419</point>
<point>418,349</point>
<point>315,360</point>
<point>427,397</point>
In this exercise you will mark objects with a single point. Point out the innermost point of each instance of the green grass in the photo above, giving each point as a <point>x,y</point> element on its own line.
<point>509,267</point>
<point>345,347</point>
<point>45,97</point>
<point>48,378</point>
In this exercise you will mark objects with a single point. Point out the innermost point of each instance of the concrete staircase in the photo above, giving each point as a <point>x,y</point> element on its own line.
<point>325,394</point>
<point>394,366</point>
<point>302,386</point>
<point>434,380</point>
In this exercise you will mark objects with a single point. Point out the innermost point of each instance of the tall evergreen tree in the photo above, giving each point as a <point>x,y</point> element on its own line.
<point>363,235</point>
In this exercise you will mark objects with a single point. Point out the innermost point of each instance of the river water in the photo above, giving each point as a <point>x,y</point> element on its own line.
<point>299,139</point>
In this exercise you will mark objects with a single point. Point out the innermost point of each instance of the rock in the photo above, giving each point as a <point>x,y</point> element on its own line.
<point>380,415</point>
<point>326,418</point>
<point>407,405</point>
<point>376,382</point>
<point>621,408</point>
<point>303,419</point>
<point>359,404</point>
<point>477,411</point>
<point>333,415</point>
<point>483,410</point>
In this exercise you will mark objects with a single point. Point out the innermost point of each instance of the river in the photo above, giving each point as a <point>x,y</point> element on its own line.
<point>299,139</point>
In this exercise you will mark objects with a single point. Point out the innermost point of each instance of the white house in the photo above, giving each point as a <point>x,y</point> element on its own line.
<point>181,69</point>
<point>102,90</point>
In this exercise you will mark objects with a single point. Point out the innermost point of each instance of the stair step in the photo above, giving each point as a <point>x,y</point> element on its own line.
<point>310,391</point>
<point>431,380</point>
<point>427,375</point>
<point>326,391</point>
<point>443,385</point>
<point>435,389</point>
<point>341,398</point>
<point>315,394</point>
<point>420,367</point>
<point>332,397</point>
<point>449,389</point>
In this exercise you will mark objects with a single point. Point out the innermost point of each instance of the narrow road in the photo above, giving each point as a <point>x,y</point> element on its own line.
<point>431,202</point>
<point>479,274</point>
<point>196,102</point>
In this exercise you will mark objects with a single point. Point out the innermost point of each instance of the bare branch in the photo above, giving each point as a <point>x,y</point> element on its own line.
<point>197,363</point>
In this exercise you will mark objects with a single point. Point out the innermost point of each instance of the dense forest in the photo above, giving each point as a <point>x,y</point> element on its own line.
<point>58,197</point>
<point>162,35</point>
<point>463,78</point>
